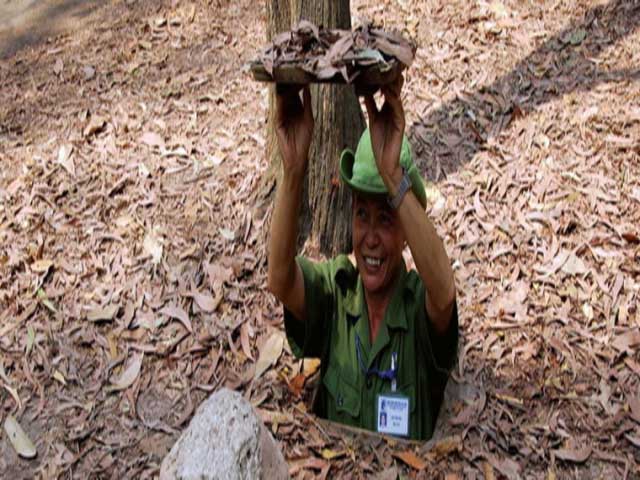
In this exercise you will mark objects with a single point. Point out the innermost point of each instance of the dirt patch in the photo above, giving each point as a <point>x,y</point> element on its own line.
<point>26,23</point>
<point>13,466</point>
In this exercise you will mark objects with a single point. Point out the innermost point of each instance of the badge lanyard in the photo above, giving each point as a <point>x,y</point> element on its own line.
<point>392,419</point>
<point>390,374</point>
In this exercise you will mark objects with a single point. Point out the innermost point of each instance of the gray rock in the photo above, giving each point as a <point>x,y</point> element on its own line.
<point>225,440</point>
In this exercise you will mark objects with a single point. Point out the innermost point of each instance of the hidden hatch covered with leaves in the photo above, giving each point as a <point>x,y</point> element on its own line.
<point>367,55</point>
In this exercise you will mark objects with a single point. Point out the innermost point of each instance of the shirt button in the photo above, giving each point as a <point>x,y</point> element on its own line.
<point>369,382</point>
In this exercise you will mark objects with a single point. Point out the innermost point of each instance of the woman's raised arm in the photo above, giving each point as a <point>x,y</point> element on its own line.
<point>294,130</point>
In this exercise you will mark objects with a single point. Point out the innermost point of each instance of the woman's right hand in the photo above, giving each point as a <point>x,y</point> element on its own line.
<point>294,127</point>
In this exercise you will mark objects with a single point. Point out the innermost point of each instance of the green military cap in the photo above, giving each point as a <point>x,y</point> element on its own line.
<point>360,171</point>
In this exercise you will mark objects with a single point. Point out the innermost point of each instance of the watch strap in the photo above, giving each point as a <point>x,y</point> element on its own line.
<point>403,188</point>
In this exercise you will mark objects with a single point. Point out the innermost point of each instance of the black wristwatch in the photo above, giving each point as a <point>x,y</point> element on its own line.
<point>403,188</point>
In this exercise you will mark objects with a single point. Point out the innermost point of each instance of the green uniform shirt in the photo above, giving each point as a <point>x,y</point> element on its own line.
<point>336,313</point>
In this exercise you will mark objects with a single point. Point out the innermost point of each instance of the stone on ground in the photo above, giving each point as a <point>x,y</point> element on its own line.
<point>225,440</point>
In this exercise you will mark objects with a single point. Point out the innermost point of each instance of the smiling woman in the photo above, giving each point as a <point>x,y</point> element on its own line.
<point>387,337</point>
<point>377,244</point>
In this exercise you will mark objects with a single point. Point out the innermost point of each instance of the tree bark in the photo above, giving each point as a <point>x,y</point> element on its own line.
<point>339,122</point>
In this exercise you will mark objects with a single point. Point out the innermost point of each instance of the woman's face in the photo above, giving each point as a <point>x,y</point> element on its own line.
<point>378,241</point>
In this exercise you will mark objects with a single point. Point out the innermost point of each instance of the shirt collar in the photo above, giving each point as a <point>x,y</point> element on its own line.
<point>354,300</point>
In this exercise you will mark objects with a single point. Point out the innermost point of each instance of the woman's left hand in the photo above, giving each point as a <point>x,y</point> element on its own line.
<point>387,130</point>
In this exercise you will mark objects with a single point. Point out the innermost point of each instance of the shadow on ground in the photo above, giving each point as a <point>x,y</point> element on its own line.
<point>25,23</point>
<point>449,136</point>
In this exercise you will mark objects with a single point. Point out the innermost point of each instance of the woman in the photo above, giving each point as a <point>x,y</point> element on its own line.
<point>386,337</point>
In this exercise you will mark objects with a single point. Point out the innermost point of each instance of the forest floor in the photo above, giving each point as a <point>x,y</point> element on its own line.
<point>132,260</point>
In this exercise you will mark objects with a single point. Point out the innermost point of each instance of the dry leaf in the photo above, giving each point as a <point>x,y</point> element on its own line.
<point>556,264</point>
<point>153,247</point>
<point>433,194</point>
<point>509,468</point>
<point>64,159</point>
<point>635,441</point>
<point>627,342</point>
<point>329,454</point>
<point>634,406</point>
<point>58,66</point>
<point>411,459</point>
<point>311,462</point>
<point>143,170</point>
<point>42,296</point>
<point>244,340</point>
<point>218,275</point>
<point>623,313</point>
<point>498,9</point>
<point>95,125</point>
<point>576,455</point>
<point>447,445</point>
<point>18,438</point>
<point>89,72</point>
<point>488,472</point>
<point>310,366</point>
<point>228,234</point>
<point>388,474</point>
<point>152,139</point>
<point>177,152</point>
<point>130,375</point>
<point>124,220</point>
<point>604,398</point>
<point>297,384</point>
<point>14,394</point>
<point>510,399</point>
<point>41,266</point>
<point>57,375</point>
<point>174,311</point>
<point>578,36</point>
<point>269,353</point>
<point>574,266</point>
<point>272,416</point>
<point>206,302</point>
<point>102,313</point>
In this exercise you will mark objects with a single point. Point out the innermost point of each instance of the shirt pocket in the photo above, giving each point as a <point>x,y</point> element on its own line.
<point>343,394</point>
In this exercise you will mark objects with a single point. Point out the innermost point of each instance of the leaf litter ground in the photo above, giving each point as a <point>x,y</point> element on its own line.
<point>132,265</point>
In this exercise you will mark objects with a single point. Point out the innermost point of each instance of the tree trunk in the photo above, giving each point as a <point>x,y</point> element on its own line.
<point>339,122</point>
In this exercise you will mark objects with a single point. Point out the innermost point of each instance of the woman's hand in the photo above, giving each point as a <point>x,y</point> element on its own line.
<point>294,127</point>
<point>294,130</point>
<point>387,129</point>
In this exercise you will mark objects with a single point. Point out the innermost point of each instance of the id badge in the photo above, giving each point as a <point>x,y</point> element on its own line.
<point>392,414</point>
